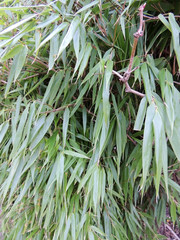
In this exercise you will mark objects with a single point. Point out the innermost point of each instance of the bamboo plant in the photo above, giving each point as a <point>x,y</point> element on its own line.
<point>89,119</point>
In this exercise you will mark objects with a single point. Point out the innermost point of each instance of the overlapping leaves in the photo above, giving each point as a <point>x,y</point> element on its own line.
<point>72,166</point>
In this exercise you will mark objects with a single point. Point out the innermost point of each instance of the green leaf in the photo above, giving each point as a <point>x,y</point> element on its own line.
<point>140,115</point>
<point>65,125</point>
<point>76,42</point>
<point>3,129</point>
<point>69,35</point>
<point>106,85</point>
<point>123,26</point>
<point>160,151</point>
<point>85,59</point>
<point>86,177</point>
<point>175,29</point>
<point>169,106</point>
<point>74,173</point>
<point>75,154</point>
<point>97,230</point>
<point>14,51</point>
<point>16,25</point>
<point>54,47</point>
<point>60,169</point>
<point>162,80</point>
<point>18,63</point>
<point>48,21</point>
<point>18,135</point>
<point>84,116</point>
<point>87,6</point>
<point>164,21</point>
<point>42,131</point>
<point>146,81</point>
<point>173,211</point>
<point>47,93</point>
<point>147,141</point>
<point>96,185</point>
<point>61,27</point>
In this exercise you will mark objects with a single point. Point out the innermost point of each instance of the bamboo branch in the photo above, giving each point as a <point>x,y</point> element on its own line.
<point>137,35</point>
<point>117,74</point>
<point>4,82</point>
<point>127,74</point>
<point>42,63</point>
<point>130,90</point>
<point>59,109</point>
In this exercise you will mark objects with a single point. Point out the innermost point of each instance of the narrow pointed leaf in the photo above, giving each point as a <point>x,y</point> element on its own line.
<point>69,36</point>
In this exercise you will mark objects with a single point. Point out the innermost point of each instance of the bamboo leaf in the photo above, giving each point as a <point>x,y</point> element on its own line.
<point>48,21</point>
<point>60,169</point>
<point>18,63</point>
<point>140,115</point>
<point>69,35</point>
<point>107,76</point>
<point>54,46</point>
<point>84,116</point>
<point>86,177</point>
<point>65,125</point>
<point>147,141</point>
<point>175,29</point>
<point>14,51</point>
<point>164,21</point>
<point>75,154</point>
<point>146,81</point>
<point>43,131</point>
<point>85,59</point>
<point>59,28</point>
<point>87,6</point>
<point>3,129</point>
<point>160,150</point>
<point>16,25</point>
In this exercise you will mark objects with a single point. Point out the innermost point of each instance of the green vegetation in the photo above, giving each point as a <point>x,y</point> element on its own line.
<point>89,122</point>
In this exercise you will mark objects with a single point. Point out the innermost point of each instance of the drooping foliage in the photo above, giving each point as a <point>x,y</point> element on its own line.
<point>80,156</point>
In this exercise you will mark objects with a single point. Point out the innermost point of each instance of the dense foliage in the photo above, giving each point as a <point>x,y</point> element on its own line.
<point>81,155</point>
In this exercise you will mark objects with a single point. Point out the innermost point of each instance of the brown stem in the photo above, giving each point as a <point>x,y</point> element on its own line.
<point>117,74</point>
<point>130,90</point>
<point>42,63</point>
<point>137,35</point>
<point>134,142</point>
<point>127,74</point>
<point>4,82</point>
<point>59,109</point>
<point>35,75</point>
<point>178,83</point>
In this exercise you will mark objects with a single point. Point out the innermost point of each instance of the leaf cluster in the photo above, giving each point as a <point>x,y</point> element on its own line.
<point>80,158</point>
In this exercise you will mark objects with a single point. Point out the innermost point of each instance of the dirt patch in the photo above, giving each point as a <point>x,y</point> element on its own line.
<point>170,231</point>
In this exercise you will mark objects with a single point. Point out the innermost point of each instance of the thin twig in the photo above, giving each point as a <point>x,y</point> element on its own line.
<point>134,142</point>
<point>178,83</point>
<point>37,74</point>
<point>42,63</point>
<point>4,82</point>
<point>59,109</point>
<point>170,229</point>
<point>137,35</point>
<point>81,105</point>
<point>121,78</point>
<point>117,74</point>
<point>130,90</point>
<point>127,74</point>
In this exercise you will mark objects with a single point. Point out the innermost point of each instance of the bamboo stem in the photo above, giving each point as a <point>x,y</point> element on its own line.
<point>127,74</point>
